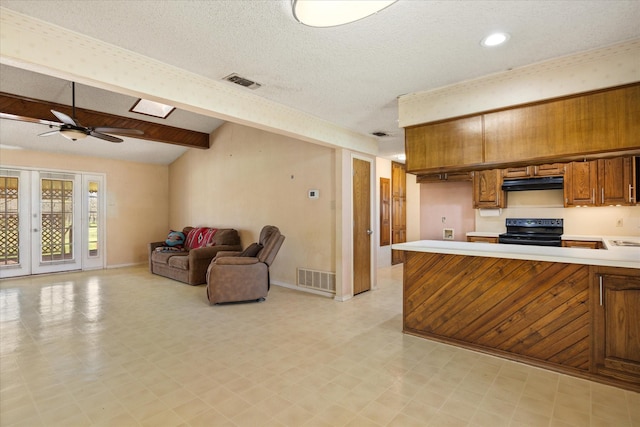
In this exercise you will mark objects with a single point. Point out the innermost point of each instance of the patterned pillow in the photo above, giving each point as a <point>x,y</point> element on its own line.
<point>200,237</point>
<point>175,238</point>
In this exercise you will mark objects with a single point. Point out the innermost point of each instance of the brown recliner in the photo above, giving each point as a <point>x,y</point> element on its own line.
<point>244,276</point>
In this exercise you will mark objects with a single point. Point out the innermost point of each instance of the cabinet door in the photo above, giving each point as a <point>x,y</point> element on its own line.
<point>553,169</point>
<point>615,182</point>
<point>487,189</point>
<point>617,323</point>
<point>439,146</point>
<point>580,181</point>
<point>522,172</point>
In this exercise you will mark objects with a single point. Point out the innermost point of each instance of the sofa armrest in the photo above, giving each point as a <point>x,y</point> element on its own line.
<point>209,251</point>
<point>152,247</point>
<point>237,260</point>
<point>227,253</point>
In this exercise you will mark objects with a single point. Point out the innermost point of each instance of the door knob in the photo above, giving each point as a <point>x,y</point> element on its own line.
<point>369,232</point>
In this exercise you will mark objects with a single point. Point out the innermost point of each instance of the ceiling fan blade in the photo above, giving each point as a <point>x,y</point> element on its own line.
<point>104,136</point>
<point>123,131</point>
<point>51,132</point>
<point>28,119</point>
<point>64,118</point>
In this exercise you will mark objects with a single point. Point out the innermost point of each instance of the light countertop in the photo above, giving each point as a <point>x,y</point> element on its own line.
<point>611,256</point>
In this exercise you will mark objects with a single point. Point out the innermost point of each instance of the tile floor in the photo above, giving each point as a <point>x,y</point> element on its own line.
<point>122,347</point>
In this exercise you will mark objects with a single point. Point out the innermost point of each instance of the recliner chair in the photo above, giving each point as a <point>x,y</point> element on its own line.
<point>244,276</point>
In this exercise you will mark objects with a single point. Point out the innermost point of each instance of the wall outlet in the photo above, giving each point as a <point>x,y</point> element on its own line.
<point>619,222</point>
<point>447,233</point>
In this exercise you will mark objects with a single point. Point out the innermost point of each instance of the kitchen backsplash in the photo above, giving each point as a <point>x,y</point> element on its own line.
<point>597,221</point>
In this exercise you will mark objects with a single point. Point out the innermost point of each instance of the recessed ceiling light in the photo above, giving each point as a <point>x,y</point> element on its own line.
<point>495,39</point>
<point>151,108</point>
<point>329,13</point>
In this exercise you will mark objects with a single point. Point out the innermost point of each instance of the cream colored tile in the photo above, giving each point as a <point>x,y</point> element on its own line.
<point>190,409</point>
<point>571,416</point>
<point>488,419</point>
<point>279,364</point>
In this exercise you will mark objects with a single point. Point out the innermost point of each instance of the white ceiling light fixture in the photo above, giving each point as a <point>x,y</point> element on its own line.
<point>73,134</point>
<point>331,13</point>
<point>495,39</point>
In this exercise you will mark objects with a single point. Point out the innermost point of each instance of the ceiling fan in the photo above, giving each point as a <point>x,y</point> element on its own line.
<point>73,130</point>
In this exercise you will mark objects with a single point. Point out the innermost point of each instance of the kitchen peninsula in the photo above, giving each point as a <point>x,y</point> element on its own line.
<point>572,310</point>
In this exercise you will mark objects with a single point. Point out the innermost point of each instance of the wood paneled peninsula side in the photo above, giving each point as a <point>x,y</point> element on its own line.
<point>572,310</point>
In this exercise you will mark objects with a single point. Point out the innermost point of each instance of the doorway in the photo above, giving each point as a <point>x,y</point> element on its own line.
<point>50,222</point>
<point>398,209</point>
<point>361,226</point>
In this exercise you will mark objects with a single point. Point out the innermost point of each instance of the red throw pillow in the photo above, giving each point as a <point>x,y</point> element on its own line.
<point>199,237</point>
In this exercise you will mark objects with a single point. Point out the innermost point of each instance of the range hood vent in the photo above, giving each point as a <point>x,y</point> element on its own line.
<point>543,183</point>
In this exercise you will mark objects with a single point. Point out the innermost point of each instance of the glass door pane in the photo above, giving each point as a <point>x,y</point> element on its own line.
<point>56,213</point>
<point>55,223</point>
<point>93,219</point>
<point>9,221</point>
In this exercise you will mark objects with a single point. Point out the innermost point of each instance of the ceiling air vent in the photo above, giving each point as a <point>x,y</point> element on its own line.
<point>379,134</point>
<point>234,78</point>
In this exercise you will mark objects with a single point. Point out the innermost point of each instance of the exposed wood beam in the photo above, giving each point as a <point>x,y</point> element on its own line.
<point>34,110</point>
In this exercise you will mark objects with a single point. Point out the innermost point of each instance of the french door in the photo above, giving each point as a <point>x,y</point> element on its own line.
<point>50,222</point>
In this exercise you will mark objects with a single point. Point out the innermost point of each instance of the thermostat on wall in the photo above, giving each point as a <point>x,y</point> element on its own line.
<point>314,194</point>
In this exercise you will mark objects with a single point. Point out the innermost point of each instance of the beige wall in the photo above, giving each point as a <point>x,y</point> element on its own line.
<point>137,198</point>
<point>250,178</point>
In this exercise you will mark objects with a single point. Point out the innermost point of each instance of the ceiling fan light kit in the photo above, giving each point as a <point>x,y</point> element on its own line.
<point>73,134</point>
<point>72,130</point>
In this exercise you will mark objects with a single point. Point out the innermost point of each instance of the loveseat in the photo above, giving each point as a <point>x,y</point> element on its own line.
<point>188,263</point>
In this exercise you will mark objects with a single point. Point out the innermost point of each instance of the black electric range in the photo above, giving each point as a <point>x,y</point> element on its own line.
<point>533,231</point>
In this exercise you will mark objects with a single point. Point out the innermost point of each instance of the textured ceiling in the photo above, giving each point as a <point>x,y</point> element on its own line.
<point>349,75</point>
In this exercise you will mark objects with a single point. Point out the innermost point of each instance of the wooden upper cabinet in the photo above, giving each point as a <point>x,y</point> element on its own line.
<point>444,177</point>
<point>552,169</point>
<point>615,181</point>
<point>487,189</point>
<point>558,130</point>
<point>520,172</point>
<point>580,182</point>
<point>605,121</point>
<point>446,145</point>
<point>600,182</point>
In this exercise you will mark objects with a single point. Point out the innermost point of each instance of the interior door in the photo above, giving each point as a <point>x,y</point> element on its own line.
<point>361,226</point>
<point>398,209</point>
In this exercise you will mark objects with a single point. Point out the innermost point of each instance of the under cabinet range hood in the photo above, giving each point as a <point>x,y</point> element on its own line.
<point>543,183</point>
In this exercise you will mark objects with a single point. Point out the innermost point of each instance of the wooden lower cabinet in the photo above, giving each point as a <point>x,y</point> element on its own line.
<point>587,244</point>
<point>545,314</point>
<point>616,323</point>
<point>482,239</point>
